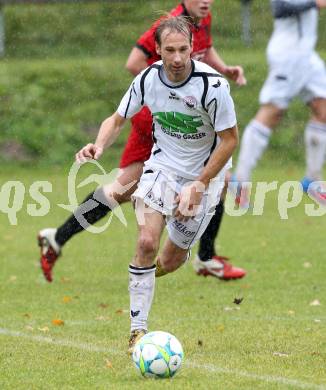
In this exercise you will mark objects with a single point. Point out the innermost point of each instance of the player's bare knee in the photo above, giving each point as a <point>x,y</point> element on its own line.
<point>278,117</point>
<point>147,244</point>
<point>269,115</point>
<point>320,115</point>
<point>318,108</point>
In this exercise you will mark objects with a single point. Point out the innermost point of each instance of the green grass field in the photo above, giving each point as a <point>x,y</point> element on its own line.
<point>274,340</point>
<point>63,73</point>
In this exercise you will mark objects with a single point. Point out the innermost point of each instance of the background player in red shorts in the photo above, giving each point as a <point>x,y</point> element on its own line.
<point>138,149</point>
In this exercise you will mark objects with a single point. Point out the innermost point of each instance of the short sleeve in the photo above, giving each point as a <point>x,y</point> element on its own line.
<point>220,106</point>
<point>131,103</point>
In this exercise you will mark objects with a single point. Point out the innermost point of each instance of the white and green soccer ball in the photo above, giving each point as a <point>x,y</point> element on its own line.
<point>158,355</point>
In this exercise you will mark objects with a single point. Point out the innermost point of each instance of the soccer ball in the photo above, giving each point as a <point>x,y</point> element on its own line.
<point>158,355</point>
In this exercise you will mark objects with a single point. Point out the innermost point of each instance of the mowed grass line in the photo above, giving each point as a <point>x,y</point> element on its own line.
<point>193,365</point>
<point>274,340</point>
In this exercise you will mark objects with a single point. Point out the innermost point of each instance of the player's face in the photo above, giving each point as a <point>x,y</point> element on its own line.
<point>175,52</point>
<point>198,8</point>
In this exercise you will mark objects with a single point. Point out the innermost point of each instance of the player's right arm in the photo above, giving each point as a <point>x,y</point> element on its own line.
<point>111,127</point>
<point>108,133</point>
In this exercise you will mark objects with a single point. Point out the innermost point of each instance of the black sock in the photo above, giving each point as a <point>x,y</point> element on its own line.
<point>72,226</point>
<point>206,244</point>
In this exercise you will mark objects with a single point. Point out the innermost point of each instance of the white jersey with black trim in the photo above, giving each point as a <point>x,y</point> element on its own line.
<point>186,117</point>
<point>295,29</point>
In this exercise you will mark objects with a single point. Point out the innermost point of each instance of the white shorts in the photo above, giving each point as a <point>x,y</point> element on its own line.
<point>159,189</point>
<point>288,78</point>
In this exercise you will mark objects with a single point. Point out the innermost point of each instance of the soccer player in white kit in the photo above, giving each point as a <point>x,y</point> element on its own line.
<point>195,134</point>
<point>295,69</point>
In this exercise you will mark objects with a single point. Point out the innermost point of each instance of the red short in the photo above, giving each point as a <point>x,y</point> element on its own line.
<point>139,144</point>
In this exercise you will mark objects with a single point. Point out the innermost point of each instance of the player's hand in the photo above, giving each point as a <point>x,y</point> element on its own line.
<point>189,201</point>
<point>321,3</point>
<point>236,74</point>
<point>89,152</point>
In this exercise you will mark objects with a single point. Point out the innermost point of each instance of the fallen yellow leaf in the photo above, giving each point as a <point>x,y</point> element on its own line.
<point>103,305</point>
<point>280,354</point>
<point>58,322</point>
<point>66,299</point>
<point>108,364</point>
<point>44,329</point>
<point>64,279</point>
<point>220,328</point>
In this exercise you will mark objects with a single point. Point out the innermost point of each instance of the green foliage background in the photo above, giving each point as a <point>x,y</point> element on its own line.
<point>62,74</point>
<point>63,71</point>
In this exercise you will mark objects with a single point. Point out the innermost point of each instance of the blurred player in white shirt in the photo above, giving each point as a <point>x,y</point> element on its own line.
<point>295,70</point>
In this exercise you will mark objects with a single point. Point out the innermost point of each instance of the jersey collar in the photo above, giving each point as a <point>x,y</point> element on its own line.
<point>179,85</point>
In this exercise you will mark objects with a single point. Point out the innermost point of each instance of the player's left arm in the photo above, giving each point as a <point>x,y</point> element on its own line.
<point>233,72</point>
<point>220,108</point>
<point>191,196</point>
<point>229,140</point>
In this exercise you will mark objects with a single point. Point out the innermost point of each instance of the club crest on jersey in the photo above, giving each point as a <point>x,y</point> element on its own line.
<point>173,96</point>
<point>190,102</point>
